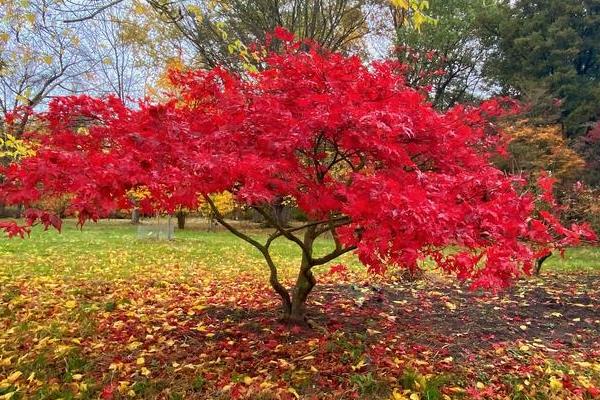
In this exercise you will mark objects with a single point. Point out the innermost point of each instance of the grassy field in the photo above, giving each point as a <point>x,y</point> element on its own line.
<point>100,313</point>
<point>112,249</point>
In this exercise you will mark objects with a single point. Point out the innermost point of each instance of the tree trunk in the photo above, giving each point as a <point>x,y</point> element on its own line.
<point>281,213</point>
<point>539,262</point>
<point>304,283</point>
<point>180,220</point>
<point>286,303</point>
<point>278,211</point>
<point>135,216</point>
<point>19,212</point>
<point>256,217</point>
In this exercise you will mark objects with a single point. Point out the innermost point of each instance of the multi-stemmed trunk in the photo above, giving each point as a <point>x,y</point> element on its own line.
<point>294,300</point>
<point>294,303</point>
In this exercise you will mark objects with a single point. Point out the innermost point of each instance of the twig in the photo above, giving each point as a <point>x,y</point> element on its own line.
<point>94,13</point>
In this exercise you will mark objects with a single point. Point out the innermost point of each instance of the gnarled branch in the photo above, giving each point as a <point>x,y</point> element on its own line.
<point>333,255</point>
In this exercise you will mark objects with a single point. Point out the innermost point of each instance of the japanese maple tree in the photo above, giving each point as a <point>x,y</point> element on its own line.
<point>363,155</point>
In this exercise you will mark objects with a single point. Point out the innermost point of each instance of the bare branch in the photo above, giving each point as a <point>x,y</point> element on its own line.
<point>332,256</point>
<point>334,223</point>
<point>285,232</point>
<point>219,217</point>
<point>278,233</point>
<point>94,13</point>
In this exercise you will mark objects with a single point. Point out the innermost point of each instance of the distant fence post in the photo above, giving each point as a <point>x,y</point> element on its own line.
<point>169,235</point>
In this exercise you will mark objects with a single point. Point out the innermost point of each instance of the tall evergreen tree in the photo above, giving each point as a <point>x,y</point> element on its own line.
<point>548,51</point>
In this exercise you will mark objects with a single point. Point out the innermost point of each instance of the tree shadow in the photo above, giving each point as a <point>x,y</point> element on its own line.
<point>561,311</point>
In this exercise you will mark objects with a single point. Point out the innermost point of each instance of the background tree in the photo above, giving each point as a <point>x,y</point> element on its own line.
<point>582,203</point>
<point>155,43</point>
<point>118,64</point>
<point>589,147</point>
<point>224,202</point>
<point>363,155</point>
<point>584,200</point>
<point>552,47</point>
<point>447,55</point>
<point>534,149</point>
<point>40,58</point>
<point>222,32</point>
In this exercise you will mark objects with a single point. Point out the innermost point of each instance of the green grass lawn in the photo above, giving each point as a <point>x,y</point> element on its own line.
<point>112,249</point>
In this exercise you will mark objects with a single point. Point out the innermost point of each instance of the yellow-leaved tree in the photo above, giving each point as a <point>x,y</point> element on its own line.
<point>12,148</point>
<point>223,201</point>
<point>135,196</point>
<point>535,148</point>
<point>412,13</point>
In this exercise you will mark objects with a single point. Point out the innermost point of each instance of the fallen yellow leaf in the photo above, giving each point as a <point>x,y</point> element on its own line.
<point>12,378</point>
<point>396,395</point>
<point>450,306</point>
<point>555,383</point>
<point>133,345</point>
<point>585,381</point>
<point>584,364</point>
<point>359,365</point>
<point>71,304</point>
<point>293,391</point>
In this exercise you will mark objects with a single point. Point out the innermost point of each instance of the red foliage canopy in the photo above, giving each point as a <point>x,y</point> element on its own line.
<point>349,142</point>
